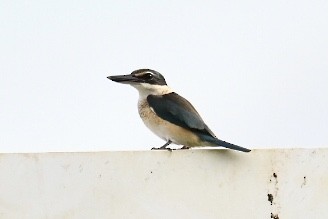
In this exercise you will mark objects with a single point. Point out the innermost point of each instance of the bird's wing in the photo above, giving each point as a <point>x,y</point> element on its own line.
<point>179,111</point>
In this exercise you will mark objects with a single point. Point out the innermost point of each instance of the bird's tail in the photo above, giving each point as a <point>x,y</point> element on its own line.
<point>218,142</point>
<point>231,146</point>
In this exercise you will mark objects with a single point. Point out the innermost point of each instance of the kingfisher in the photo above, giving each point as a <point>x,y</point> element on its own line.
<point>168,115</point>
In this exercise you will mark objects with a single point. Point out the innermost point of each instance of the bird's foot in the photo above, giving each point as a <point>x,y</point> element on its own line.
<point>184,148</point>
<point>162,148</point>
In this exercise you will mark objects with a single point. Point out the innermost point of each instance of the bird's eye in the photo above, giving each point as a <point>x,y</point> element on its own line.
<point>148,76</point>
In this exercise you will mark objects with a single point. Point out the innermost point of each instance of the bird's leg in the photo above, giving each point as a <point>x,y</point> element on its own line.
<point>164,146</point>
<point>184,147</point>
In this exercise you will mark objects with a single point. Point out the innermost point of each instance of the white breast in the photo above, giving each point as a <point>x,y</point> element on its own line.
<point>164,129</point>
<point>152,121</point>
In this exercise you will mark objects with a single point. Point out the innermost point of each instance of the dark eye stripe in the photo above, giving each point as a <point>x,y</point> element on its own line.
<point>149,76</point>
<point>144,75</point>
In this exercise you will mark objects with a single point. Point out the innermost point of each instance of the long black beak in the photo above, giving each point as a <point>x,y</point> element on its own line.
<point>126,79</point>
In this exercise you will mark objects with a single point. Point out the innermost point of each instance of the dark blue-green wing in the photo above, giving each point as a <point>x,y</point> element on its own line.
<point>179,111</point>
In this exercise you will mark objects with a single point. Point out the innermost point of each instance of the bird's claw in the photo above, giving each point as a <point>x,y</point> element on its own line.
<point>161,148</point>
<point>184,148</point>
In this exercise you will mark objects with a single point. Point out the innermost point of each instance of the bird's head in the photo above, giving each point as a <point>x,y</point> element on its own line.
<point>146,81</point>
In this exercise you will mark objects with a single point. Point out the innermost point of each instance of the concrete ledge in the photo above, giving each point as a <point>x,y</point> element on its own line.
<point>290,183</point>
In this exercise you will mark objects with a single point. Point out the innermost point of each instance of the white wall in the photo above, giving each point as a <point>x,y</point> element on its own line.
<point>162,184</point>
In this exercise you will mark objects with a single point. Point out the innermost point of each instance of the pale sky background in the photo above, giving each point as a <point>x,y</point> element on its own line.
<point>257,71</point>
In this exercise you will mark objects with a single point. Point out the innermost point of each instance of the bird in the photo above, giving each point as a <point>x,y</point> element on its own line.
<point>168,115</point>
